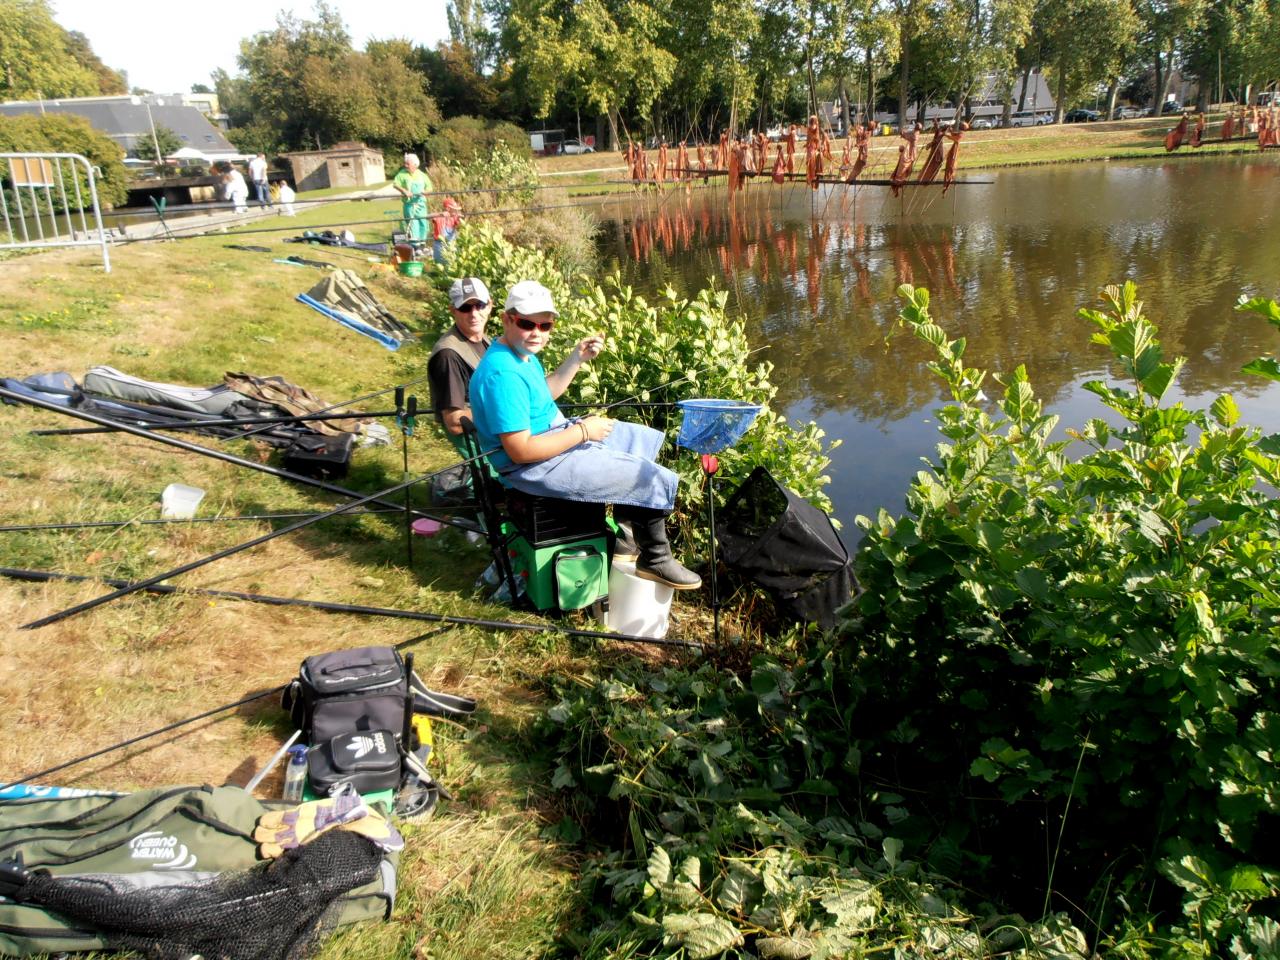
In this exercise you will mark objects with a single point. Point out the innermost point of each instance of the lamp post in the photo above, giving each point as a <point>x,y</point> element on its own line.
<point>155,141</point>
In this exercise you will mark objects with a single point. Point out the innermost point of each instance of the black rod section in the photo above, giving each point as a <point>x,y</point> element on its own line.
<point>194,564</point>
<point>218,454</point>
<point>220,422</point>
<point>44,576</point>
<point>90,524</point>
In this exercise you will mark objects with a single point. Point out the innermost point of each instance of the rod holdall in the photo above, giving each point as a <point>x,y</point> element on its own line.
<point>348,691</point>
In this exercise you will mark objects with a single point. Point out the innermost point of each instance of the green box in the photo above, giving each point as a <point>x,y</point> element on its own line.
<point>565,576</point>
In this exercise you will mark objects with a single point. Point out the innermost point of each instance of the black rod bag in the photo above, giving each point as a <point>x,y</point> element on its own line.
<point>781,542</point>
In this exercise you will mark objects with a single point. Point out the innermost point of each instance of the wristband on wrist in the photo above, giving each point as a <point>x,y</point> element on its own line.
<point>586,437</point>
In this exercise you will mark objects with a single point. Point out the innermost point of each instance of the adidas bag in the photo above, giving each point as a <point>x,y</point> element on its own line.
<point>348,691</point>
<point>370,762</point>
<point>155,839</point>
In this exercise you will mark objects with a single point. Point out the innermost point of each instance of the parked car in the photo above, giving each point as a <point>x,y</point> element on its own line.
<point>1082,116</point>
<point>1029,118</point>
<point>576,146</point>
<point>985,122</point>
<point>1129,113</point>
<point>1171,106</point>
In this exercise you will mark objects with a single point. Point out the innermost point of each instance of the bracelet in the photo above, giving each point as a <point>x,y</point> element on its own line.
<point>586,437</point>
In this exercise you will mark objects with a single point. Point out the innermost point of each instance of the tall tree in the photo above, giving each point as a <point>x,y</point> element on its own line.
<point>1166,26</point>
<point>38,58</point>
<point>1077,67</point>
<point>469,32</point>
<point>109,81</point>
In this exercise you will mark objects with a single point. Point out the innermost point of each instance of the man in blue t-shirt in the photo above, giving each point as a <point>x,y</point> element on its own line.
<point>592,460</point>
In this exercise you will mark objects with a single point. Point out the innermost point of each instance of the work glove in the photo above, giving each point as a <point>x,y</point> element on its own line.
<point>284,830</point>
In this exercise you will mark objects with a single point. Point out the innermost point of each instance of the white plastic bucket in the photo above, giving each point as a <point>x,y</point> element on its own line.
<point>179,501</point>
<point>638,607</point>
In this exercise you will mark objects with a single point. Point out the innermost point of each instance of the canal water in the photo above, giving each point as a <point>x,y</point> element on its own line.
<point>1007,263</point>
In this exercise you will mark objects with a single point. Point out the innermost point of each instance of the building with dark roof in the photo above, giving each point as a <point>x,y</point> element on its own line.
<point>129,120</point>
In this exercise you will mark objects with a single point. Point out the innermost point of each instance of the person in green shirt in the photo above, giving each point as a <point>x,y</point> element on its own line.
<point>413,185</point>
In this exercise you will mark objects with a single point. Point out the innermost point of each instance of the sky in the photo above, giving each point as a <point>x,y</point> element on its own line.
<point>165,48</point>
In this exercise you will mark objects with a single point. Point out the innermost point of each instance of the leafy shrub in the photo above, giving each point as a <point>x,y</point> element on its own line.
<point>464,140</point>
<point>64,133</point>
<point>1072,664</point>
<point>663,352</point>
<point>732,831</point>
<point>499,177</point>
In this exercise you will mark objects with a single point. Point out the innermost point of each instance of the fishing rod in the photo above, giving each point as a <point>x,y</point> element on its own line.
<point>220,422</point>
<point>37,576</point>
<point>92,524</point>
<point>800,177</point>
<point>219,555</point>
<point>46,576</point>
<point>214,205</point>
<point>220,455</point>
<point>203,228</point>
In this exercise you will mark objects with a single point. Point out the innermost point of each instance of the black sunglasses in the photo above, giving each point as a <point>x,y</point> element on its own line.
<point>471,307</point>
<point>524,323</point>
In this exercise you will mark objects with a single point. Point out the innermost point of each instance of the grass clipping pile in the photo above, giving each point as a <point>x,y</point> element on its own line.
<point>279,910</point>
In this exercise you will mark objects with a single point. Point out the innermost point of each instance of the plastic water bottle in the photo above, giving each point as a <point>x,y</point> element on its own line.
<point>295,774</point>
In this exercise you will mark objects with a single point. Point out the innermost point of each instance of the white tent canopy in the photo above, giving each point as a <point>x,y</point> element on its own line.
<point>187,153</point>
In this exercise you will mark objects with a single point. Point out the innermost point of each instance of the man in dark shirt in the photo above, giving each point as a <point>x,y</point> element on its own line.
<point>456,355</point>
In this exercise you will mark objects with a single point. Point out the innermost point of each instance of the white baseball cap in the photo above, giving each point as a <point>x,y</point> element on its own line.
<point>529,297</point>
<point>468,288</point>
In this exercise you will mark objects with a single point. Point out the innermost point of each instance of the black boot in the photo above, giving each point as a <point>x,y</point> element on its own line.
<point>656,562</point>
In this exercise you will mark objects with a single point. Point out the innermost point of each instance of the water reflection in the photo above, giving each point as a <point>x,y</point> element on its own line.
<point>1008,265</point>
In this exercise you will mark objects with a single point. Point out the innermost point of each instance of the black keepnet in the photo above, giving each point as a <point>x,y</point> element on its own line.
<point>783,543</point>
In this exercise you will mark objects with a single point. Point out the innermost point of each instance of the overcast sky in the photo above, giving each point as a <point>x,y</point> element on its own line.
<point>166,47</point>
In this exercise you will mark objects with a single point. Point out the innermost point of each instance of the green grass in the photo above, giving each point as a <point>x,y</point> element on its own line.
<point>477,881</point>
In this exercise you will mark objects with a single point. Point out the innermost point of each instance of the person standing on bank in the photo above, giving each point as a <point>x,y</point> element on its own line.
<point>413,185</point>
<point>591,460</point>
<point>258,174</point>
<point>456,355</point>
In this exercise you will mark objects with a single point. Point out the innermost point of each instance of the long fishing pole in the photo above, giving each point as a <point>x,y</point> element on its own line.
<point>203,561</point>
<point>370,198</point>
<point>220,422</point>
<point>95,524</point>
<point>41,774</point>
<point>203,229</point>
<point>45,576</point>
<point>219,455</point>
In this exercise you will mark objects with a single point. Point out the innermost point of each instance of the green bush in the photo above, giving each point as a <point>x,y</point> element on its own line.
<point>727,829</point>
<point>1071,664</point>
<point>663,352</point>
<point>64,133</point>
<point>500,177</point>
<point>464,140</point>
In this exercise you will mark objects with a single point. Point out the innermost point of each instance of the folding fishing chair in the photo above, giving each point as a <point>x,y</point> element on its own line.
<point>559,549</point>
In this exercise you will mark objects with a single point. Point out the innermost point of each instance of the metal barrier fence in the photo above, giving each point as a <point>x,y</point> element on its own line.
<point>42,196</point>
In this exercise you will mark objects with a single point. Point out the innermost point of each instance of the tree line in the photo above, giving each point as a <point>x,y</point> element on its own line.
<point>686,69</point>
<point>681,69</point>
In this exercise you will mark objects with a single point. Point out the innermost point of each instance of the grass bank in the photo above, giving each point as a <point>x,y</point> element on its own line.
<point>478,881</point>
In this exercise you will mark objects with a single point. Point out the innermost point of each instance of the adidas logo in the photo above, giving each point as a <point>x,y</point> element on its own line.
<point>362,746</point>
